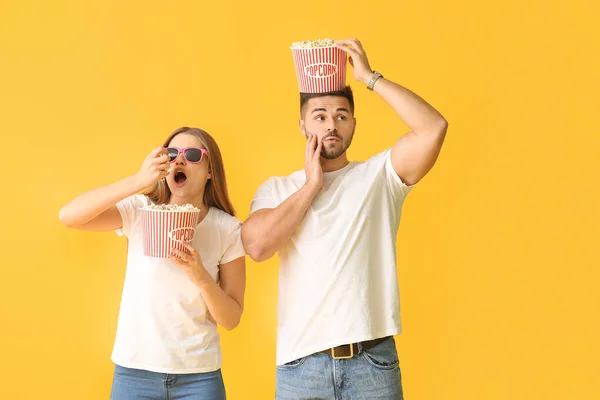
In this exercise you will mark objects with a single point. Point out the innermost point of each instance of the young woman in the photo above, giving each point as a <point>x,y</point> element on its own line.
<point>167,343</point>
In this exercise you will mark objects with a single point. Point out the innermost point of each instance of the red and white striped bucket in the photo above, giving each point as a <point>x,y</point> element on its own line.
<point>165,230</point>
<point>320,69</point>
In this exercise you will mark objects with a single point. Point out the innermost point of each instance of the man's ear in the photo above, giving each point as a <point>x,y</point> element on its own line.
<point>302,127</point>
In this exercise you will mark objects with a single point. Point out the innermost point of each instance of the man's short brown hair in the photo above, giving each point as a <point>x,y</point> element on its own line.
<point>345,92</point>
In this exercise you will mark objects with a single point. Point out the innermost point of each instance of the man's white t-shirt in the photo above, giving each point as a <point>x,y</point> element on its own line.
<point>337,276</point>
<point>164,325</point>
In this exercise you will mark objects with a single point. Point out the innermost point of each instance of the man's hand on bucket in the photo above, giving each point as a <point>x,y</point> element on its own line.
<point>358,59</point>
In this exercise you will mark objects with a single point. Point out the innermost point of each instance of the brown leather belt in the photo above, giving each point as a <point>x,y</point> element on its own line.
<point>350,350</point>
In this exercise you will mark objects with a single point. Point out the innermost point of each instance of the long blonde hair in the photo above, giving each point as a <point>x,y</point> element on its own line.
<point>215,192</point>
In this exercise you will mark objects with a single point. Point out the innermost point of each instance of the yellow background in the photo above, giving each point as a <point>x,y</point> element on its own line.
<point>497,265</point>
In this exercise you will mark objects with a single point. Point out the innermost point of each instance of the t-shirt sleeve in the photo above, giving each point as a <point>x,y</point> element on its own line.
<point>129,208</point>
<point>394,182</point>
<point>232,241</point>
<point>263,198</point>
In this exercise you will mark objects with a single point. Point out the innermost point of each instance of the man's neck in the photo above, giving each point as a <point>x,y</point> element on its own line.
<point>335,164</point>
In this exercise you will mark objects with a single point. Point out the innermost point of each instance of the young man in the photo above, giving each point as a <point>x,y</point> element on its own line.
<point>334,225</point>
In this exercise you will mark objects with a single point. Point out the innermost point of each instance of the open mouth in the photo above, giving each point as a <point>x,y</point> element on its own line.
<point>180,177</point>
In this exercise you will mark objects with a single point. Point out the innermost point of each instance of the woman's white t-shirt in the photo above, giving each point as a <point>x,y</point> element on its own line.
<point>164,325</point>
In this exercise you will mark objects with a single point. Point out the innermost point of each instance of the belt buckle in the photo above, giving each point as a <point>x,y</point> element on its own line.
<point>342,357</point>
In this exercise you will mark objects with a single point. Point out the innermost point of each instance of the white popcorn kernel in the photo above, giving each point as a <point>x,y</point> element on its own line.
<point>171,207</point>
<point>310,44</point>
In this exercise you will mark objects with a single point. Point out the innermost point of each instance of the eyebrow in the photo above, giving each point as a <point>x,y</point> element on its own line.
<point>323,109</point>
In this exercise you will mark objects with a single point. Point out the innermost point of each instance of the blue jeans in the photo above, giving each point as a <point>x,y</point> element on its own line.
<point>370,374</point>
<point>137,384</point>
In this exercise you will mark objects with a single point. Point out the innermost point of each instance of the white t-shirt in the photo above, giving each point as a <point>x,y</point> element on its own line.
<point>337,276</point>
<point>164,324</point>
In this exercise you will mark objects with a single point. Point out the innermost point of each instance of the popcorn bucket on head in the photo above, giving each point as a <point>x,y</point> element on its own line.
<point>320,69</point>
<point>165,230</point>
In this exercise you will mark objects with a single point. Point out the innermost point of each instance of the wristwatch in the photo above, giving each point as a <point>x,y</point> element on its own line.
<point>376,75</point>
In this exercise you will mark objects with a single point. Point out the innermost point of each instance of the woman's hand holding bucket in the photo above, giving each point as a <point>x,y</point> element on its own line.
<point>191,264</point>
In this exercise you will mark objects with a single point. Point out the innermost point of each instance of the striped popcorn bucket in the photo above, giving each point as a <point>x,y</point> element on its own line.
<point>165,230</point>
<point>320,69</point>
